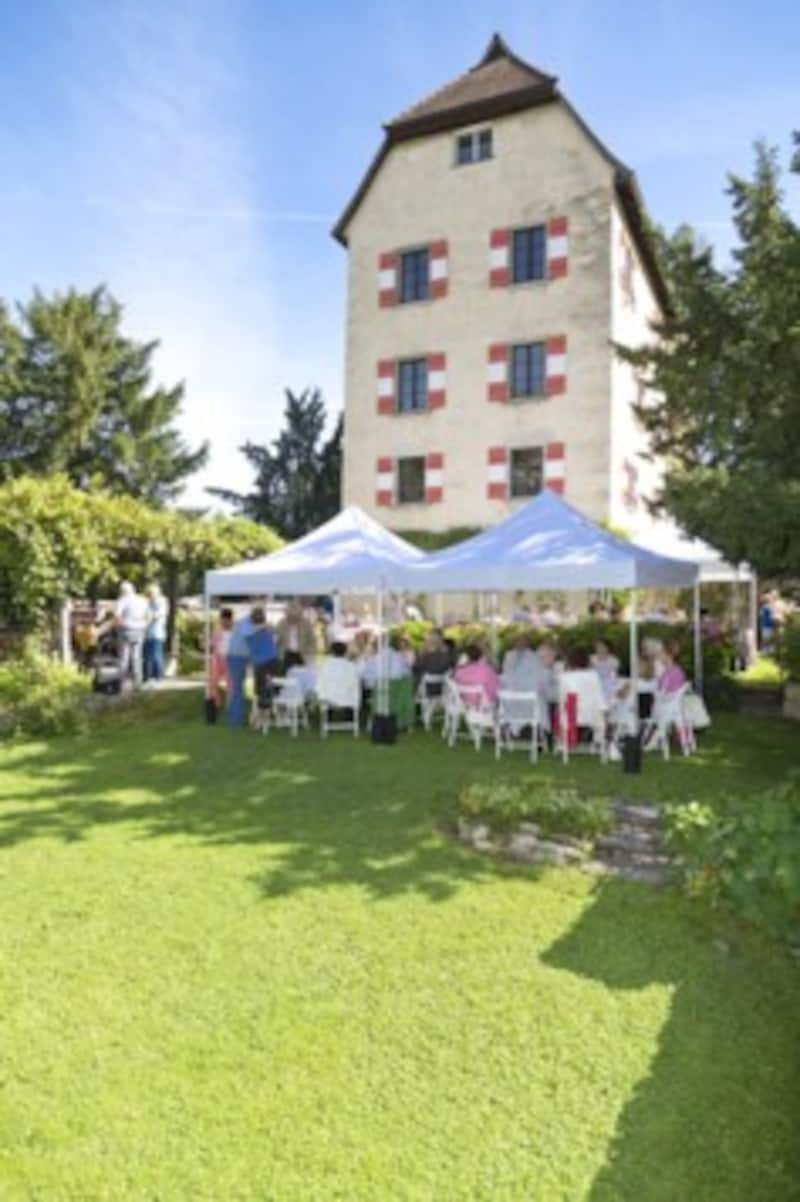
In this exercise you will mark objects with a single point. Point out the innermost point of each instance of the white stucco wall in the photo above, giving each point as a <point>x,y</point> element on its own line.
<point>632,477</point>
<point>544,166</point>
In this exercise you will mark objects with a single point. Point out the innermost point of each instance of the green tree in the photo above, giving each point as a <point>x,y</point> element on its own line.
<point>724,377</point>
<point>298,477</point>
<point>77,397</point>
<point>57,541</point>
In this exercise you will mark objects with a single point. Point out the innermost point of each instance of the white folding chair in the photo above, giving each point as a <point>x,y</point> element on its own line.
<point>351,702</point>
<point>517,712</point>
<point>288,705</point>
<point>468,706</point>
<point>430,697</point>
<point>671,712</point>
<point>591,709</point>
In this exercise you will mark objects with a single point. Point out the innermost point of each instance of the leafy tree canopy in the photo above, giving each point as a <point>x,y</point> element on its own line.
<point>57,541</point>
<point>76,397</point>
<point>298,477</point>
<point>724,378</point>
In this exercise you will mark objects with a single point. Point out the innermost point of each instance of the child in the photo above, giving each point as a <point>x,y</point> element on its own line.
<point>218,670</point>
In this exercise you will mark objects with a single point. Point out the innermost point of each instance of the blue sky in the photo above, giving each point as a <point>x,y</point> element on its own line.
<point>193,154</point>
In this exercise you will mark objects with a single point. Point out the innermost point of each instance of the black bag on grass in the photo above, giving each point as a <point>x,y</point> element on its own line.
<point>211,711</point>
<point>631,754</point>
<point>384,728</point>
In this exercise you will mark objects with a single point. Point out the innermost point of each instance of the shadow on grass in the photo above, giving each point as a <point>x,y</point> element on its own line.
<point>329,813</point>
<point>334,812</point>
<point>721,1057</point>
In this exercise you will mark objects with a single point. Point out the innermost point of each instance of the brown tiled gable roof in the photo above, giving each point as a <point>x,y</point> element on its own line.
<point>499,78</point>
<point>503,83</point>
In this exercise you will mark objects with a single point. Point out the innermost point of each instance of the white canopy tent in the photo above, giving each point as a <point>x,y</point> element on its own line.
<point>548,544</point>
<point>350,553</point>
<point>667,539</point>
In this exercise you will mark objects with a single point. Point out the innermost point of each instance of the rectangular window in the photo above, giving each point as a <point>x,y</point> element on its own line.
<point>528,369</point>
<point>473,147</point>
<point>412,386</point>
<point>527,471</point>
<point>414,276</point>
<point>464,149</point>
<point>411,479</point>
<point>530,254</point>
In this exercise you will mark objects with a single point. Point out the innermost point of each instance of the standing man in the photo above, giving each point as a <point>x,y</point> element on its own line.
<point>156,633</point>
<point>238,658</point>
<point>263,652</point>
<point>131,620</point>
<point>297,640</point>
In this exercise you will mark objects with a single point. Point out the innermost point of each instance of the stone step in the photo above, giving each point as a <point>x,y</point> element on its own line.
<point>637,815</point>
<point>627,841</point>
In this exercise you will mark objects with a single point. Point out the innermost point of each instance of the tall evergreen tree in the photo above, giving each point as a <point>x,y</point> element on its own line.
<point>724,405</point>
<point>298,476</point>
<point>77,397</point>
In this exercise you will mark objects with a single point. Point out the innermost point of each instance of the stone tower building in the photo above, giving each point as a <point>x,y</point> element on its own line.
<point>496,250</point>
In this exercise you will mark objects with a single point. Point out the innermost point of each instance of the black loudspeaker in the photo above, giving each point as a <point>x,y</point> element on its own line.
<point>631,754</point>
<point>384,728</point>
<point>211,711</point>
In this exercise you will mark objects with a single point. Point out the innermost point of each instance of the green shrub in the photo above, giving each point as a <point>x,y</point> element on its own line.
<point>39,696</point>
<point>745,856</point>
<point>789,649</point>
<point>556,810</point>
<point>190,629</point>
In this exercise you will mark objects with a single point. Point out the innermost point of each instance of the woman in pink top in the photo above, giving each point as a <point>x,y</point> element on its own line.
<point>673,677</point>
<point>478,671</point>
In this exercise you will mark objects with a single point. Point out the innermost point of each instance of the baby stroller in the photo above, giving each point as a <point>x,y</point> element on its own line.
<point>107,677</point>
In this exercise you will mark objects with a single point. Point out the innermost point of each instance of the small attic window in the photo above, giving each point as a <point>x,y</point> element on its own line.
<point>473,147</point>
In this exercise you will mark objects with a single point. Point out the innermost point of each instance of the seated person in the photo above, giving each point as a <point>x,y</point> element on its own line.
<point>547,655</point>
<point>606,664</point>
<point>672,677</point>
<point>360,647</point>
<point>527,671</point>
<point>338,684</point>
<point>582,696</point>
<point>434,659</point>
<point>478,671</point>
<point>388,662</point>
<point>403,645</point>
<point>297,639</point>
<point>520,665</point>
<point>670,681</point>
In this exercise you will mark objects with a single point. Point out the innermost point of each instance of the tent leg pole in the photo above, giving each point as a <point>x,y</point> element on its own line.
<point>633,628</point>
<point>380,708</point>
<point>698,641</point>
<point>753,633</point>
<point>207,641</point>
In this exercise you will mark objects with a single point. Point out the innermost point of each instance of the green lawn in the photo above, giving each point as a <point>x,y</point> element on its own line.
<point>244,969</point>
